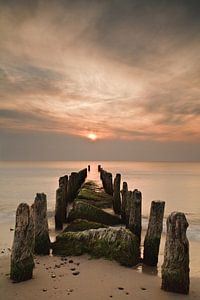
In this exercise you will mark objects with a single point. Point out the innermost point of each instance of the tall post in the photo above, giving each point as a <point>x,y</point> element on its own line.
<point>63,183</point>
<point>128,205</point>
<point>42,240</point>
<point>153,235</point>
<point>106,178</point>
<point>22,262</point>
<point>72,187</point>
<point>59,209</point>
<point>124,194</point>
<point>175,269</point>
<point>135,218</point>
<point>116,195</point>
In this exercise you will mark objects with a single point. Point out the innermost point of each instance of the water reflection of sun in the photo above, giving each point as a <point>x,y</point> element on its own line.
<point>92,136</point>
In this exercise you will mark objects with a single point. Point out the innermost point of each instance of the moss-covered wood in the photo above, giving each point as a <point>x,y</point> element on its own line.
<point>81,225</point>
<point>117,195</point>
<point>82,210</point>
<point>22,270</point>
<point>92,194</point>
<point>22,262</point>
<point>153,235</point>
<point>111,243</point>
<point>135,216</point>
<point>175,269</point>
<point>42,240</point>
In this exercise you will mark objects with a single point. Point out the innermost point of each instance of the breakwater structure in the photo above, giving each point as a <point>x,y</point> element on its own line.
<point>102,221</point>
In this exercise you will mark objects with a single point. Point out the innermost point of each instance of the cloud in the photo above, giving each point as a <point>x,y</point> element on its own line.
<point>127,70</point>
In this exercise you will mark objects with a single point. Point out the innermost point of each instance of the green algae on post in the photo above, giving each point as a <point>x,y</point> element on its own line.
<point>22,262</point>
<point>81,225</point>
<point>82,210</point>
<point>111,243</point>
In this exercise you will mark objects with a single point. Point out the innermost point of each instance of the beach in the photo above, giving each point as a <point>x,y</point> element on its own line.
<point>98,278</point>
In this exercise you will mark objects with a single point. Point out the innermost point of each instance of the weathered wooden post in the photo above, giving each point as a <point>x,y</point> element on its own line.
<point>99,168</point>
<point>124,194</point>
<point>72,187</point>
<point>59,209</point>
<point>63,183</point>
<point>88,168</point>
<point>128,205</point>
<point>106,178</point>
<point>116,195</point>
<point>154,231</point>
<point>42,240</point>
<point>135,217</point>
<point>175,269</point>
<point>22,262</point>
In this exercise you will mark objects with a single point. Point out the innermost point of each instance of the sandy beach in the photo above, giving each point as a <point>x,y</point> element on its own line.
<point>97,279</point>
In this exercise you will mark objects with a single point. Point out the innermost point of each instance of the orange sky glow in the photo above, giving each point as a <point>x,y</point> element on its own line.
<point>118,72</point>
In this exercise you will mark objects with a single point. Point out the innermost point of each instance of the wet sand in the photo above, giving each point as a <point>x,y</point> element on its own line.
<point>98,279</point>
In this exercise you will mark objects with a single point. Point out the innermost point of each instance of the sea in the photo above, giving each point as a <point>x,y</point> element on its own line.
<point>178,184</point>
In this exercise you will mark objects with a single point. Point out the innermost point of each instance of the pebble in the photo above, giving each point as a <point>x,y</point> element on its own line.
<point>57,266</point>
<point>120,288</point>
<point>70,290</point>
<point>44,290</point>
<point>142,288</point>
<point>76,273</point>
<point>53,276</point>
<point>72,269</point>
<point>71,261</point>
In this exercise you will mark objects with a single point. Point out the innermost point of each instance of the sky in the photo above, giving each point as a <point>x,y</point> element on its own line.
<point>100,80</point>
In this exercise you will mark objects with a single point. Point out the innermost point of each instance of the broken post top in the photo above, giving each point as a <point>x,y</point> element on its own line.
<point>125,186</point>
<point>22,215</point>
<point>177,224</point>
<point>137,195</point>
<point>63,180</point>
<point>40,197</point>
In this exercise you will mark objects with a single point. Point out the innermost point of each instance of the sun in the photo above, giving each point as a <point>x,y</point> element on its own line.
<point>92,136</point>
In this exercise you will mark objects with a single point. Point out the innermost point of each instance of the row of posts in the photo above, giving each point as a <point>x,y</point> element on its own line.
<point>66,193</point>
<point>32,234</point>
<point>128,204</point>
<point>31,237</point>
<point>31,228</point>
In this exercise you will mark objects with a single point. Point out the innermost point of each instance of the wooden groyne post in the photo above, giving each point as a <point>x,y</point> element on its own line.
<point>76,179</point>
<point>154,231</point>
<point>22,262</point>
<point>124,194</point>
<point>117,195</point>
<point>175,269</point>
<point>107,182</point>
<point>135,214</point>
<point>42,240</point>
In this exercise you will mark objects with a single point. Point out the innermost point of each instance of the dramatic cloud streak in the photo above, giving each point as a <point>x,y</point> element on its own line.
<point>125,70</point>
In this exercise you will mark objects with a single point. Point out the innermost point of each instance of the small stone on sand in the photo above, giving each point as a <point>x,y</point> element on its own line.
<point>76,273</point>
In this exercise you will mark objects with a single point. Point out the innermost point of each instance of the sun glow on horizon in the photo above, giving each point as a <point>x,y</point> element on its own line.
<point>92,136</point>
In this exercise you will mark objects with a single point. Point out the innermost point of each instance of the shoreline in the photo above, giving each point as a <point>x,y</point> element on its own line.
<point>98,279</point>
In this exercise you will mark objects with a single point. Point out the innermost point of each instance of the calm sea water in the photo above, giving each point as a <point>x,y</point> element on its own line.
<point>178,184</point>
